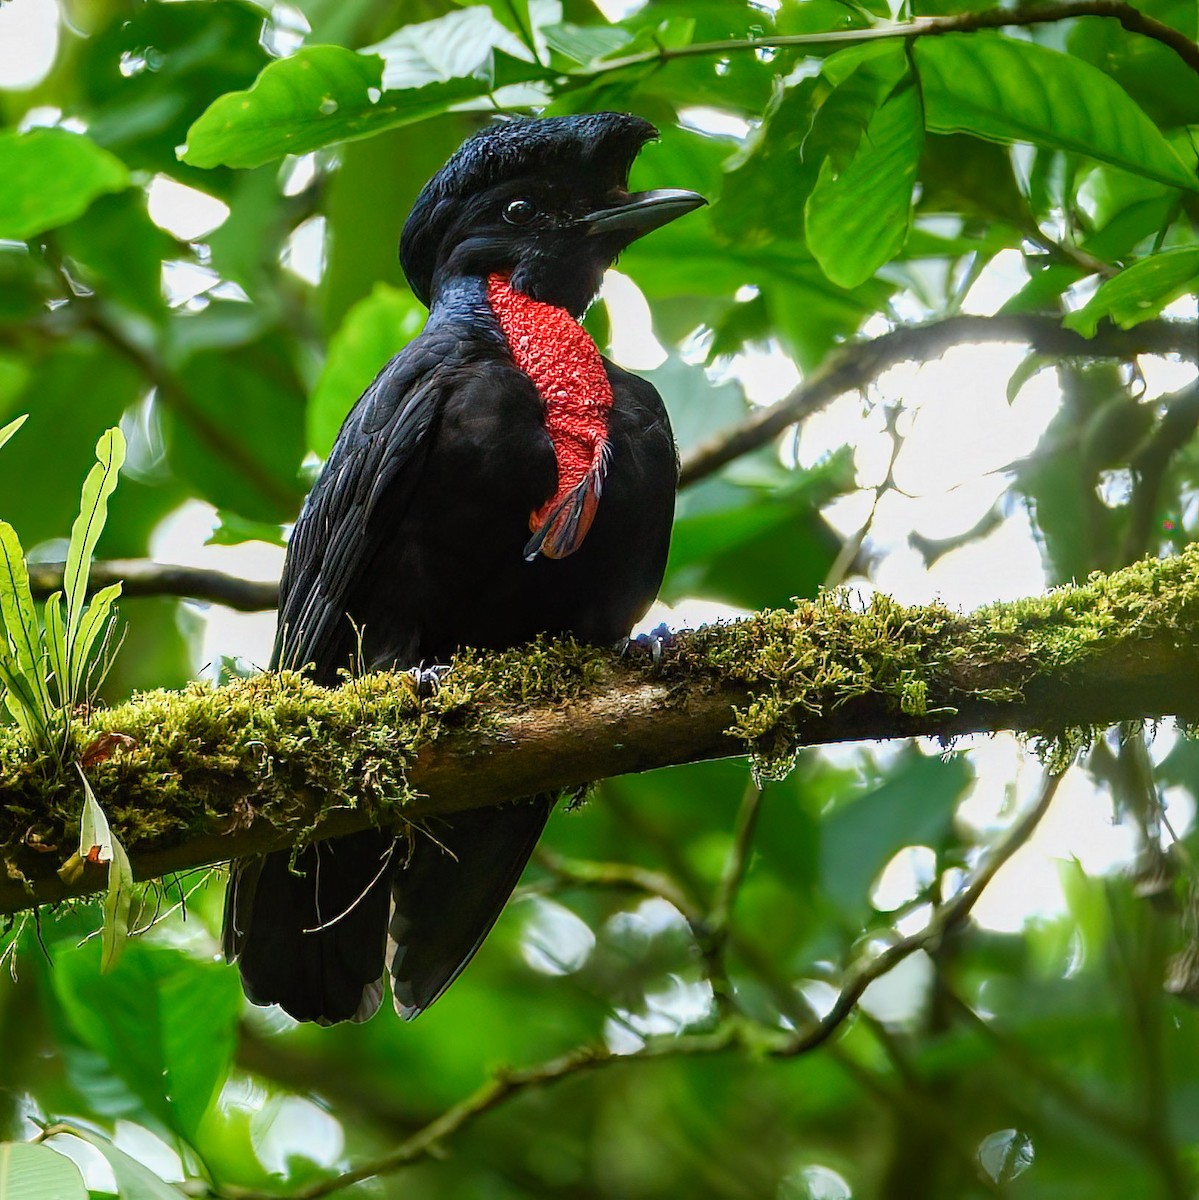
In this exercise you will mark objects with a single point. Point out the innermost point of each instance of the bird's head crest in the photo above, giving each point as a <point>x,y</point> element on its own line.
<point>596,149</point>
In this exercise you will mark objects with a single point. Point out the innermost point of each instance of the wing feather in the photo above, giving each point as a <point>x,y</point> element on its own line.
<point>375,467</point>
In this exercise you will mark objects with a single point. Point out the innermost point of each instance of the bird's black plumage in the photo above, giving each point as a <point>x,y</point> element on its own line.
<point>413,544</point>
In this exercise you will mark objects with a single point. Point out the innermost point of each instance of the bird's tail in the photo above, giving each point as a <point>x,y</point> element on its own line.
<point>311,939</point>
<point>444,903</point>
<point>317,939</point>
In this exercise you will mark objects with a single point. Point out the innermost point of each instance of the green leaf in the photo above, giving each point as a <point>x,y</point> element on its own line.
<point>515,15</point>
<point>80,388</point>
<point>118,899</point>
<point>165,1021</point>
<point>29,1172</point>
<point>318,96</point>
<point>235,530</point>
<point>20,619</point>
<point>1009,91</point>
<point>458,45</point>
<point>147,70</point>
<point>135,1181</point>
<point>584,44</point>
<point>22,700</point>
<point>98,843</point>
<point>374,330</point>
<point>296,104</point>
<point>50,177</point>
<point>840,123</point>
<point>56,647</point>
<point>1030,365</point>
<point>95,837</point>
<point>1141,291</point>
<point>12,428</point>
<point>99,485</point>
<point>858,218</point>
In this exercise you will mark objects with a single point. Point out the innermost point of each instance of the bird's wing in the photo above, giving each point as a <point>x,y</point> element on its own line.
<point>379,453</point>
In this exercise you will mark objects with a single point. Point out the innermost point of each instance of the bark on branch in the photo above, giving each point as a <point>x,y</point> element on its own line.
<point>258,765</point>
<point>143,577</point>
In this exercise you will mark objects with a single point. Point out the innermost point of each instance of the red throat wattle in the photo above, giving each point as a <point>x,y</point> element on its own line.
<point>557,354</point>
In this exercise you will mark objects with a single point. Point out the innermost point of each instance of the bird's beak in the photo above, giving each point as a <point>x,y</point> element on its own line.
<point>643,212</point>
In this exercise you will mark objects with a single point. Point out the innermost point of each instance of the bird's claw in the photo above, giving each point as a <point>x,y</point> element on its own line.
<point>660,638</point>
<point>428,679</point>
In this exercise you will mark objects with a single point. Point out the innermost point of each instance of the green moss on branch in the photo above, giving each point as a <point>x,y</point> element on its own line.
<point>264,762</point>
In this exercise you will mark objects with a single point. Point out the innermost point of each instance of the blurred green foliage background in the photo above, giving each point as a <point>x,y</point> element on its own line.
<point>1043,175</point>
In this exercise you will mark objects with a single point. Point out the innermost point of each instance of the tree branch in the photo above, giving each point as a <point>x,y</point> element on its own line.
<point>208,774</point>
<point>856,364</point>
<point>143,577</point>
<point>948,918</point>
<point>1129,17</point>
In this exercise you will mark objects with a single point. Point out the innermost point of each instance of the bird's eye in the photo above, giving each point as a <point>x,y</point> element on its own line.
<point>520,212</point>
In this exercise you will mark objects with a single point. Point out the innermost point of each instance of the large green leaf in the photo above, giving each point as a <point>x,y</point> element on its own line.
<point>165,1021</point>
<point>321,95</point>
<point>1009,91</point>
<point>1150,71</point>
<point>50,177</point>
<point>1141,291</point>
<point>315,97</point>
<point>374,330</point>
<point>30,1172</point>
<point>458,45</point>
<point>857,218</point>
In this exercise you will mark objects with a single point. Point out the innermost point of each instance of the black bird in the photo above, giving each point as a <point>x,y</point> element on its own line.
<point>499,479</point>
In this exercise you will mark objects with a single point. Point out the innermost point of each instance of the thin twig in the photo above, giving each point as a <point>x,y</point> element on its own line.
<point>789,999</point>
<point>715,930</point>
<point>729,1036</point>
<point>852,546</point>
<point>948,917</point>
<point>579,872</point>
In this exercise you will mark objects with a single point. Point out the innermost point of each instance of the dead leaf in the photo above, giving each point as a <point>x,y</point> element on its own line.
<point>105,746</point>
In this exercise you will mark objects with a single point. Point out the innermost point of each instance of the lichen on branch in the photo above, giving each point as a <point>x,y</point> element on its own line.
<point>208,773</point>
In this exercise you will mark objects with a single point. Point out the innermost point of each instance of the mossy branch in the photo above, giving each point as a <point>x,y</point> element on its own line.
<point>206,774</point>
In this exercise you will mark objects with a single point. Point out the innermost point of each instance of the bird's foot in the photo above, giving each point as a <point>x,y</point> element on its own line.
<point>428,679</point>
<point>660,638</point>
